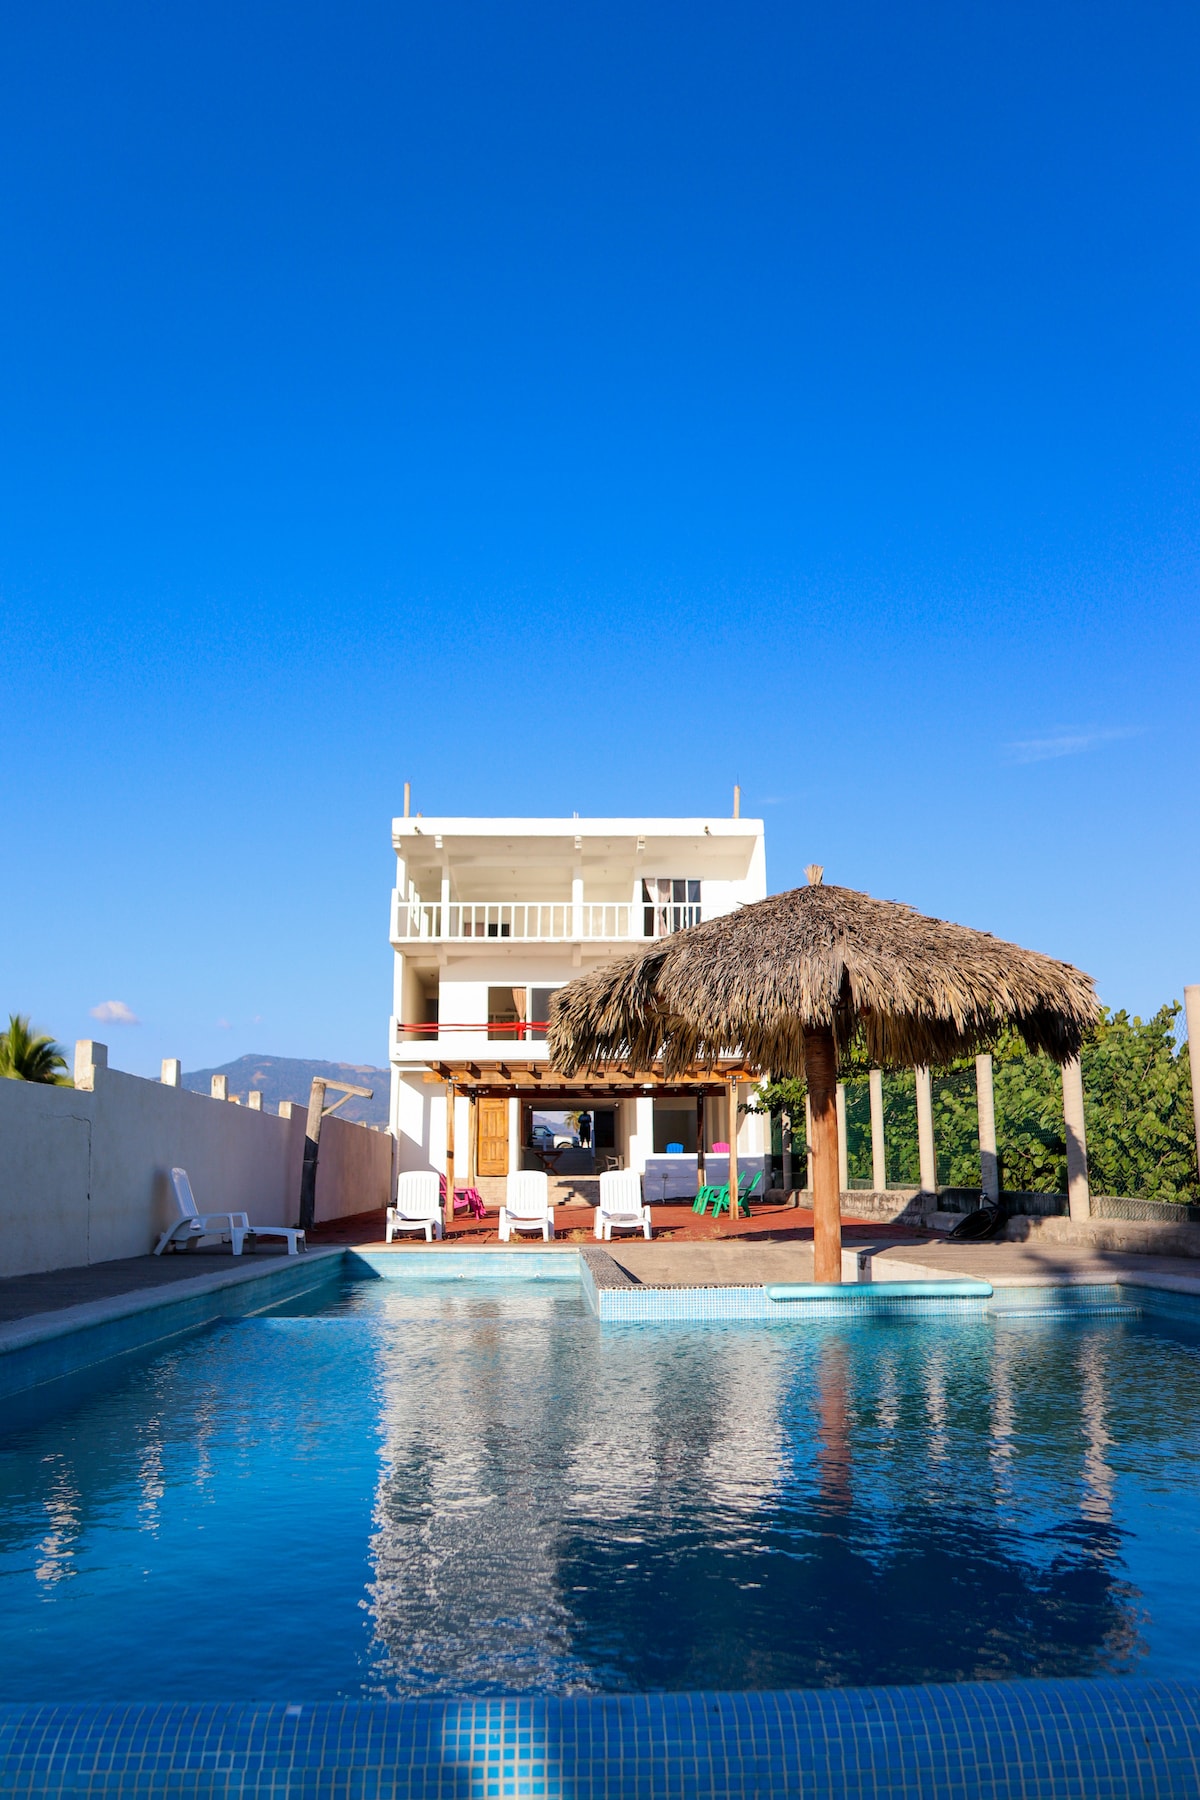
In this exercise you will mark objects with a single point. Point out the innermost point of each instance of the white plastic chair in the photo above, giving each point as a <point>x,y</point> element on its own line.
<point>527,1205</point>
<point>192,1224</point>
<point>621,1207</point>
<point>418,1205</point>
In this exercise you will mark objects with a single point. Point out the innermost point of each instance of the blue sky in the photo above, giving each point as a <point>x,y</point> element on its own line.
<point>583,408</point>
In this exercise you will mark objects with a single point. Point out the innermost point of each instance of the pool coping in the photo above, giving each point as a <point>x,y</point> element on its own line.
<point>88,1334</point>
<point>1053,1739</point>
<point>609,1291</point>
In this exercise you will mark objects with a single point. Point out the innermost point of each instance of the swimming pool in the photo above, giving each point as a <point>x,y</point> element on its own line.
<point>401,1488</point>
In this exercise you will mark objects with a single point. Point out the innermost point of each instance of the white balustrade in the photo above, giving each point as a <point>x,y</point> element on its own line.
<point>521,921</point>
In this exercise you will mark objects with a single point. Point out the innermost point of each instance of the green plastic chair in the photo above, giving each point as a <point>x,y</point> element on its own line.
<point>721,1204</point>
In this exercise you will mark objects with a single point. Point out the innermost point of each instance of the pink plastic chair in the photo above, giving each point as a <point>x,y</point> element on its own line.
<point>465,1199</point>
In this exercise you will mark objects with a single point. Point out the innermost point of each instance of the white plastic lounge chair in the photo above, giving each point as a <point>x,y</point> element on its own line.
<point>192,1224</point>
<point>527,1205</point>
<point>621,1207</point>
<point>418,1205</point>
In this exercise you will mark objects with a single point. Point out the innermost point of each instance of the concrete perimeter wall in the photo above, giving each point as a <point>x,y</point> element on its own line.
<point>84,1172</point>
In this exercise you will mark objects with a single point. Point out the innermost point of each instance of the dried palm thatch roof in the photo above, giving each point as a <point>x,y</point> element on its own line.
<point>916,990</point>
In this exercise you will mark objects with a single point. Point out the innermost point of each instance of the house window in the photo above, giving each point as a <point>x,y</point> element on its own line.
<point>669,905</point>
<point>539,1012</point>
<point>506,1014</point>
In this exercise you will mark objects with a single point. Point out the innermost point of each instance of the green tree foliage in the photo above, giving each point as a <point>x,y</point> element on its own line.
<point>26,1056</point>
<point>1137,1105</point>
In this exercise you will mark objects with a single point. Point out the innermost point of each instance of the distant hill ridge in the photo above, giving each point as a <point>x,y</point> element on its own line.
<point>290,1077</point>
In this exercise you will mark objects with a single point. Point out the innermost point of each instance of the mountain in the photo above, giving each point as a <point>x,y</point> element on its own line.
<point>289,1078</point>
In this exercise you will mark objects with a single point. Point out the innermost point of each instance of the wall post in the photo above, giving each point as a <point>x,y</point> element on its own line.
<point>843,1146</point>
<point>89,1056</point>
<point>1191,1003</point>
<point>878,1146</point>
<point>925,1144</point>
<point>1079,1194</point>
<point>989,1162</point>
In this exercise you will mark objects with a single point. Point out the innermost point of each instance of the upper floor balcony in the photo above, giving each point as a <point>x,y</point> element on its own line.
<point>544,921</point>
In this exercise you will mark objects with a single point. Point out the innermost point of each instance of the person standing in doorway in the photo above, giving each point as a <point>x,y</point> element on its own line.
<point>585,1131</point>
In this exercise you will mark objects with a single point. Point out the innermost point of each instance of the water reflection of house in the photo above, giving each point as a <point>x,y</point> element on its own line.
<point>489,916</point>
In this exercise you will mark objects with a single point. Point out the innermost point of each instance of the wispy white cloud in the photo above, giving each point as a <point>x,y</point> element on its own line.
<point>115,1012</point>
<point>1067,743</point>
<point>224,1025</point>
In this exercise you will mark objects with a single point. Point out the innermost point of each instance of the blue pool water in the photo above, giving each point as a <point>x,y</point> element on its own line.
<point>427,1488</point>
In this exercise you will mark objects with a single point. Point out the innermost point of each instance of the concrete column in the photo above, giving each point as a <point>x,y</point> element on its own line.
<point>878,1146</point>
<point>843,1147</point>
<point>928,1155</point>
<point>989,1163</point>
<point>808,1175</point>
<point>286,1108</point>
<point>172,1071</point>
<point>89,1056</point>
<point>254,1100</point>
<point>1191,1005</point>
<point>577,904</point>
<point>514,1136</point>
<point>641,1143</point>
<point>220,1087</point>
<point>1077,1170</point>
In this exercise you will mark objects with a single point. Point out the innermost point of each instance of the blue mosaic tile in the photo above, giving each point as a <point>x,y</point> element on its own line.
<point>1054,1740</point>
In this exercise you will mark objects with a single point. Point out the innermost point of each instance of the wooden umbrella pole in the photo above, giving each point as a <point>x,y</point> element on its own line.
<point>820,1067</point>
<point>733,1168</point>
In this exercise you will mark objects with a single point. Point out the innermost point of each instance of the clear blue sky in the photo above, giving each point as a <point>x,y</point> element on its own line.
<point>580,408</point>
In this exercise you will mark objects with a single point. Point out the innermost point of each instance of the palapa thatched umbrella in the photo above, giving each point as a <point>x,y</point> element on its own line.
<point>788,983</point>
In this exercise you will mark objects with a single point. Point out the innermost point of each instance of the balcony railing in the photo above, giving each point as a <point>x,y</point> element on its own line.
<point>496,1031</point>
<point>521,921</point>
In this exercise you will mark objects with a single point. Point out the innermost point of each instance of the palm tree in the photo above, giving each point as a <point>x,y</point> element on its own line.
<point>26,1057</point>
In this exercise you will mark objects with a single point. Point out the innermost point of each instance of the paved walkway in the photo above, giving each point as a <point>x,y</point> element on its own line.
<point>1027,1265</point>
<point>21,1296</point>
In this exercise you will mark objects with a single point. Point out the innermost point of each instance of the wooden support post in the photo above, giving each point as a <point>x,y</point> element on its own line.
<point>317,1110</point>
<point>733,1138</point>
<point>308,1169</point>
<point>820,1066</point>
<point>700,1174</point>
<point>451,1097</point>
<point>472,1138</point>
<point>878,1144</point>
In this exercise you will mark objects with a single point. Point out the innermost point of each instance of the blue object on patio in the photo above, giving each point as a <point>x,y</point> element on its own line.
<point>674,1149</point>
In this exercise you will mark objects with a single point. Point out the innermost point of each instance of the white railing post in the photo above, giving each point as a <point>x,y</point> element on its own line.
<point>1078,1193</point>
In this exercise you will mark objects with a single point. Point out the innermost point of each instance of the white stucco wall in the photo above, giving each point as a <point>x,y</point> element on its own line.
<point>84,1173</point>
